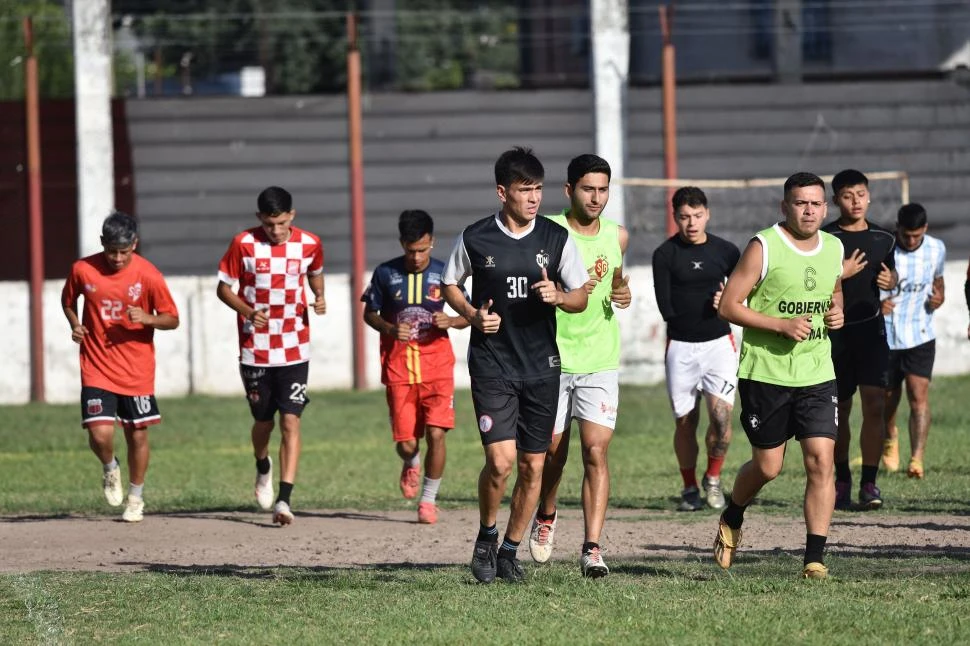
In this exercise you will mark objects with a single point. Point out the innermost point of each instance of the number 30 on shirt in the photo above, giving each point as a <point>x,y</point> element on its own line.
<point>518,286</point>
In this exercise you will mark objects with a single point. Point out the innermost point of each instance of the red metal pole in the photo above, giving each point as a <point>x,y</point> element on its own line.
<point>355,141</point>
<point>31,94</point>
<point>669,94</point>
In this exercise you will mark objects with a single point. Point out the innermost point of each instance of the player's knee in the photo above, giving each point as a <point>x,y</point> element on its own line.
<point>594,455</point>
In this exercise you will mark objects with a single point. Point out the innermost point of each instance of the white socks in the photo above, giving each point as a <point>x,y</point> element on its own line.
<point>415,461</point>
<point>135,490</point>
<point>430,491</point>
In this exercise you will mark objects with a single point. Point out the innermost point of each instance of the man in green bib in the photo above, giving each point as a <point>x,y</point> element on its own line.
<point>789,274</point>
<point>589,346</point>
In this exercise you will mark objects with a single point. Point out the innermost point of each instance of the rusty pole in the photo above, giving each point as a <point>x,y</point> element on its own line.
<point>356,167</point>
<point>31,93</point>
<point>669,94</point>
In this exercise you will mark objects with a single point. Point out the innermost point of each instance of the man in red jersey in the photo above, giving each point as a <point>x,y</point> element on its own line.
<point>270,263</point>
<point>125,301</point>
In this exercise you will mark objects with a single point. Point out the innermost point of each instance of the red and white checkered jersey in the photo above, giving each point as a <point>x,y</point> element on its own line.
<point>271,277</point>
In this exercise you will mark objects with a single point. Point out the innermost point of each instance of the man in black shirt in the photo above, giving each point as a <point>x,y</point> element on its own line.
<point>689,271</point>
<point>860,352</point>
<point>516,262</point>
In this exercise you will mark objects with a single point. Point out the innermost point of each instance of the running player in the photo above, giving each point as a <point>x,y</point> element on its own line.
<point>689,270</point>
<point>589,344</point>
<point>125,301</point>
<point>789,276</point>
<point>859,351</point>
<point>516,262</point>
<point>404,303</point>
<point>270,263</point>
<point>909,309</point>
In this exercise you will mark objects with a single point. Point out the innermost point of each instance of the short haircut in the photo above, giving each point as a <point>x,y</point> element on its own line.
<point>801,180</point>
<point>414,224</point>
<point>688,195</point>
<point>848,177</point>
<point>518,165</point>
<point>274,200</point>
<point>584,165</point>
<point>911,216</point>
<point>119,230</point>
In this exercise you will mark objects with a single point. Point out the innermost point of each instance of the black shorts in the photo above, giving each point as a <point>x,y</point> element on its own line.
<point>916,361</point>
<point>101,407</point>
<point>524,411</point>
<point>275,388</point>
<point>771,415</point>
<point>860,355</point>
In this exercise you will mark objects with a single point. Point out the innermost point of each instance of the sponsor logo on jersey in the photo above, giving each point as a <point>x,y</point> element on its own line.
<point>798,308</point>
<point>489,262</point>
<point>542,258</point>
<point>293,267</point>
<point>134,291</point>
<point>554,361</point>
<point>262,266</point>
<point>485,423</point>
<point>397,295</point>
<point>434,293</point>
<point>95,407</point>
<point>697,264</point>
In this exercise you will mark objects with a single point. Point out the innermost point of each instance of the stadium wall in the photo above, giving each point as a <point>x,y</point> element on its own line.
<point>201,355</point>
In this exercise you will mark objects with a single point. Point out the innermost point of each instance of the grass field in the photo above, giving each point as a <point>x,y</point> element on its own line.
<point>201,460</point>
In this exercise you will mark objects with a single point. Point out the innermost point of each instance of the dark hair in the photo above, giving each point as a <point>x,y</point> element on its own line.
<point>584,165</point>
<point>801,180</point>
<point>911,216</point>
<point>518,165</point>
<point>274,200</point>
<point>414,224</point>
<point>119,230</point>
<point>848,177</point>
<point>689,195</point>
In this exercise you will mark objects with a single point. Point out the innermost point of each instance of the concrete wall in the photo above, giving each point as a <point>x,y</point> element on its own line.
<point>201,356</point>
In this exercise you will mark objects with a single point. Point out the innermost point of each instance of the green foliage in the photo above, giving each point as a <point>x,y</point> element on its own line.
<point>52,49</point>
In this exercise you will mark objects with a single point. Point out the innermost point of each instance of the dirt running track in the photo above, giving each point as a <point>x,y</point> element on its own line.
<point>347,539</point>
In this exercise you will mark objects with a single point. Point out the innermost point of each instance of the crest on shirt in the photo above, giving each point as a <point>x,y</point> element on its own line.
<point>542,258</point>
<point>94,407</point>
<point>489,261</point>
<point>293,267</point>
<point>434,293</point>
<point>600,267</point>
<point>89,288</point>
<point>134,291</point>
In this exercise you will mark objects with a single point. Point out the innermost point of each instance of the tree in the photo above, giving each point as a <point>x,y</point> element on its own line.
<point>53,49</point>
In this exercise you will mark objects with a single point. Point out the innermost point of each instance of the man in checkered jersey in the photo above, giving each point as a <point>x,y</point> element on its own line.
<point>270,262</point>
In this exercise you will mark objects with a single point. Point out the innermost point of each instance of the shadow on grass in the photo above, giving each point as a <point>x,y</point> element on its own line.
<point>384,571</point>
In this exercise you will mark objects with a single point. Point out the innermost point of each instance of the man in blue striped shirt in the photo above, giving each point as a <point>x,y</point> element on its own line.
<point>908,310</point>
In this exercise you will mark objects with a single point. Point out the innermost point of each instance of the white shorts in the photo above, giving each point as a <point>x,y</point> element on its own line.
<point>707,366</point>
<point>592,397</point>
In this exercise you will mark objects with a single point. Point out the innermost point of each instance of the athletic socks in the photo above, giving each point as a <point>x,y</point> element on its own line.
<point>546,517</point>
<point>135,490</point>
<point>714,465</point>
<point>690,478</point>
<point>110,465</point>
<point>589,546</point>
<point>263,466</point>
<point>733,515</point>
<point>415,461</point>
<point>508,549</point>
<point>286,488</point>
<point>814,545</point>
<point>842,472</point>
<point>430,491</point>
<point>869,474</point>
<point>489,534</point>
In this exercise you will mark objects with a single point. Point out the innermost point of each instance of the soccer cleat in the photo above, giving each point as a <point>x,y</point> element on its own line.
<point>890,454</point>
<point>815,570</point>
<point>282,513</point>
<point>510,570</point>
<point>541,538</point>
<point>134,509</point>
<point>112,486</point>
<point>592,565</point>
<point>915,469</point>
<point>725,543</point>
<point>690,500</point>
<point>427,513</point>
<point>713,492</point>
<point>264,488</point>
<point>483,561</point>
<point>843,495</point>
<point>410,479</point>
<point>869,496</point>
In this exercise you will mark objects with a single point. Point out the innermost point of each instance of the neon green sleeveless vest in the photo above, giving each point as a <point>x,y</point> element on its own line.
<point>796,283</point>
<point>589,341</point>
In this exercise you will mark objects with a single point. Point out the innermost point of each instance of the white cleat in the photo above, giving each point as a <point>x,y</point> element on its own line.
<point>264,488</point>
<point>112,486</point>
<point>282,514</point>
<point>134,510</point>
<point>541,538</point>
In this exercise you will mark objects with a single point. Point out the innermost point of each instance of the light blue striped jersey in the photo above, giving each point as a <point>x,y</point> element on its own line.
<point>911,323</point>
